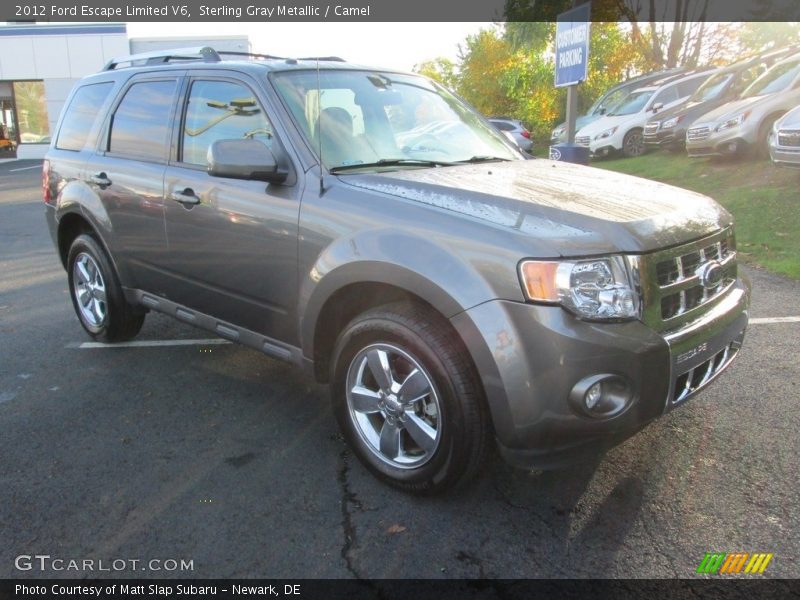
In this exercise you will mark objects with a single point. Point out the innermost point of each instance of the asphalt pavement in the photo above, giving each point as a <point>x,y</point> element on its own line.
<point>218,455</point>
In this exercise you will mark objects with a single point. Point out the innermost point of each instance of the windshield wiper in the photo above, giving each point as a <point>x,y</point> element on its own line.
<point>392,162</point>
<point>481,159</point>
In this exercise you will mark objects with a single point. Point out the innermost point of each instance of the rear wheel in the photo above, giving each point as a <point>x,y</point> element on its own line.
<point>633,143</point>
<point>97,295</point>
<point>407,399</point>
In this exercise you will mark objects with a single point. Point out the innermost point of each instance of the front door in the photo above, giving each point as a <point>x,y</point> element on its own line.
<point>232,243</point>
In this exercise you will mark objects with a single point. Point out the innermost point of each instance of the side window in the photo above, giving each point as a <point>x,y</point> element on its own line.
<point>82,113</point>
<point>220,110</point>
<point>687,88</point>
<point>747,76</point>
<point>140,125</point>
<point>666,96</point>
<point>503,126</point>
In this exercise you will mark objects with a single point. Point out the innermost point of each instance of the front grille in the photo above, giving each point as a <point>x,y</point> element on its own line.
<point>673,290</point>
<point>698,134</point>
<point>582,140</point>
<point>651,128</point>
<point>789,138</point>
<point>694,379</point>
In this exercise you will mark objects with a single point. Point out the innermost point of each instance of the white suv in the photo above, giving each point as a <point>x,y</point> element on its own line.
<point>621,129</point>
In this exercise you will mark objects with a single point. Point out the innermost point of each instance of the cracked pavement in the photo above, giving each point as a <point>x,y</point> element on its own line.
<point>225,457</point>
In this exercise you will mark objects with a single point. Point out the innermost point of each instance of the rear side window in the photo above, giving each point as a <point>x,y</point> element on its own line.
<point>81,115</point>
<point>503,126</point>
<point>140,125</point>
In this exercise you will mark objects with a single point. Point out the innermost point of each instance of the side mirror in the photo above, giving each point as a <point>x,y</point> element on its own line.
<point>245,159</point>
<point>601,111</point>
<point>658,106</point>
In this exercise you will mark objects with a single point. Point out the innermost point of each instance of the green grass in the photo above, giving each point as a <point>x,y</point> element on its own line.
<point>764,200</point>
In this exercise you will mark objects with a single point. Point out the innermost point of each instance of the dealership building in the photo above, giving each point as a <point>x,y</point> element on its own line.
<point>39,64</point>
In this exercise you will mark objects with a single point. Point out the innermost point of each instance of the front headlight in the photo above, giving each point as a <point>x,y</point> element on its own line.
<point>734,122</point>
<point>597,289</point>
<point>605,134</point>
<point>670,123</point>
<point>557,132</point>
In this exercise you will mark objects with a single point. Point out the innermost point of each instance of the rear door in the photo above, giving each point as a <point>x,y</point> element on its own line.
<point>232,243</point>
<point>127,174</point>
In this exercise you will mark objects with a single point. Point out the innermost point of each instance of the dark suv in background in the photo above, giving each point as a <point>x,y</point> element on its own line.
<point>368,226</point>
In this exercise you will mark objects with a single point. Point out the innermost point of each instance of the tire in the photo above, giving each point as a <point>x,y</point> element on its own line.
<point>96,293</point>
<point>633,144</point>
<point>761,151</point>
<point>422,426</point>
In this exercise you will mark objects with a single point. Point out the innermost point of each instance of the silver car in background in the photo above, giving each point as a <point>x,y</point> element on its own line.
<point>515,131</point>
<point>744,125</point>
<point>784,143</point>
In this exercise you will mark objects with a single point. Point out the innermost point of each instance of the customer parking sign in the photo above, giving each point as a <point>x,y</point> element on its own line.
<point>572,45</point>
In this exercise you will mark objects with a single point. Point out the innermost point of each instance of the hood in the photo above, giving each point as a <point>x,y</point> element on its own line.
<point>791,120</point>
<point>607,122</point>
<point>559,209</point>
<point>731,109</point>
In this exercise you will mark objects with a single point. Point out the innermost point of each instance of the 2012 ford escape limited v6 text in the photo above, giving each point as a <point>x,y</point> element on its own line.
<point>371,227</point>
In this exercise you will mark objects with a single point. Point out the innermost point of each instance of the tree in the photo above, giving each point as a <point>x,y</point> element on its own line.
<point>484,64</point>
<point>439,69</point>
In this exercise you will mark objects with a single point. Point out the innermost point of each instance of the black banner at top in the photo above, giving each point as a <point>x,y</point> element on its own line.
<point>391,10</point>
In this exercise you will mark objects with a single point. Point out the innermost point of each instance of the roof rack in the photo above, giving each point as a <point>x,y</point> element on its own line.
<point>204,53</point>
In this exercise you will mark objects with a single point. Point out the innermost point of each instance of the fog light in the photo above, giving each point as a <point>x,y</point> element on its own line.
<point>601,396</point>
<point>593,395</point>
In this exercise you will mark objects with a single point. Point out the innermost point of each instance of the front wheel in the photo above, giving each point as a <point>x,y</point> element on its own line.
<point>97,295</point>
<point>633,143</point>
<point>407,399</point>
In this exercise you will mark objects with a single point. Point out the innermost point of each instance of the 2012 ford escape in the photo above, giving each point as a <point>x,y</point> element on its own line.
<point>369,226</point>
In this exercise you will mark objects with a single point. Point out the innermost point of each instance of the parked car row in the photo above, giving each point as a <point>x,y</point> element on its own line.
<point>709,112</point>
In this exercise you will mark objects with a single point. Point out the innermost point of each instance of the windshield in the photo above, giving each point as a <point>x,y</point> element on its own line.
<point>712,88</point>
<point>632,103</point>
<point>386,120</point>
<point>610,100</point>
<point>776,79</point>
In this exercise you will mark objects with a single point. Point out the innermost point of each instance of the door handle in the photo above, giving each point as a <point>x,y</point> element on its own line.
<point>100,179</point>
<point>185,196</point>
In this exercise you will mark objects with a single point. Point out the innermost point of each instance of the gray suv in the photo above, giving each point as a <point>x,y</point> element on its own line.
<point>369,227</point>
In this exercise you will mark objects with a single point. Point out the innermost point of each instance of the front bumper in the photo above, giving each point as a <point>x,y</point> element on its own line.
<point>728,142</point>
<point>785,156</point>
<point>668,138</point>
<point>531,356</point>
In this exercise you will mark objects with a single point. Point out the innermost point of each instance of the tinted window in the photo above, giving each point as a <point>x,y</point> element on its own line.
<point>667,95</point>
<point>220,110</point>
<point>713,88</point>
<point>81,115</point>
<point>687,88</point>
<point>141,123</point>
<point>502,125</point>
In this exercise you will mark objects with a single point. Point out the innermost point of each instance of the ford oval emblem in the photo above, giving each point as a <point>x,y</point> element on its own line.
<point>555,154</point>
<point>710,274</point>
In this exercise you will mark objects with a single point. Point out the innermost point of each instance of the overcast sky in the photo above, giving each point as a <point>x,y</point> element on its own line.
<point>392,45</point>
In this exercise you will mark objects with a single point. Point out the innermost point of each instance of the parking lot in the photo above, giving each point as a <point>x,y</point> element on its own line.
<point>213,453</point>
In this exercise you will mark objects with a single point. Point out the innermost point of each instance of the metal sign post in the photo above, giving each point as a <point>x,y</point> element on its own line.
<point>572,66</point>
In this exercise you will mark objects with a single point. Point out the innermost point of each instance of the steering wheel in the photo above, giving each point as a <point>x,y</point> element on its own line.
<point>425,142</point>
